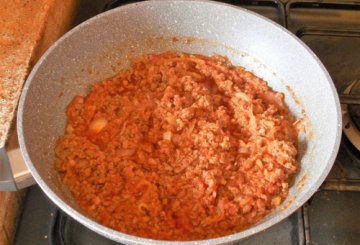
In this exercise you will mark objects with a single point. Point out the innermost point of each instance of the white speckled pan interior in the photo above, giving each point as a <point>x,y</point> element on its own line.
<point>100,47</point>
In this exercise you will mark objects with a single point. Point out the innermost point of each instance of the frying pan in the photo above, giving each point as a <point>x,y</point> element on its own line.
<point>102,46</point>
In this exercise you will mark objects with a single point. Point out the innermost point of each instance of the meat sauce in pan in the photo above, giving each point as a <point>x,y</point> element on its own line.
<point>178,147</point>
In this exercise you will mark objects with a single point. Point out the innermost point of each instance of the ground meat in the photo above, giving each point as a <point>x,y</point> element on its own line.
<point>178,147</point>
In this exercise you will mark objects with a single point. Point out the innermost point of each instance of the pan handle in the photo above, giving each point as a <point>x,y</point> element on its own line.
<point>14,174</point>
<point>7,181</point>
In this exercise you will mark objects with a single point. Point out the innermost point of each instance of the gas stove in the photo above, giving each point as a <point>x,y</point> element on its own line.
<point>331,28</point>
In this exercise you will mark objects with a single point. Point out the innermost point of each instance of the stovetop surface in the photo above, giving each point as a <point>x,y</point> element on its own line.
<point>331,28</point>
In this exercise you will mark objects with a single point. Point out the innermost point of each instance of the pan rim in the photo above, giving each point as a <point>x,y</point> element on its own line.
<point>125,238</point>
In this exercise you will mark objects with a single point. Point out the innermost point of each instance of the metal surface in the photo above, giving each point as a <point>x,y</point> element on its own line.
<point>103,45</point>
<point>329,225</point>
<point>351,130</point>
<point>37,219</point>
<point>7,182</point>
<point>332,30</point>
<point>330,14</point>
<point>21,173</point>
<point>354,108</point>
<point>350,99</point>
<point>14,174</point>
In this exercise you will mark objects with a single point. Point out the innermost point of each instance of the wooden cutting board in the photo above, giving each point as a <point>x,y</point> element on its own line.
<point>27,29</point>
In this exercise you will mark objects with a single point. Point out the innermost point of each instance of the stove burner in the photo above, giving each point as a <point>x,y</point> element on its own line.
<point>351,116</point>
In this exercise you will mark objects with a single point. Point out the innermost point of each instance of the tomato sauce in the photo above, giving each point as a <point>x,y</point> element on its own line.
<point>178,147</point>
